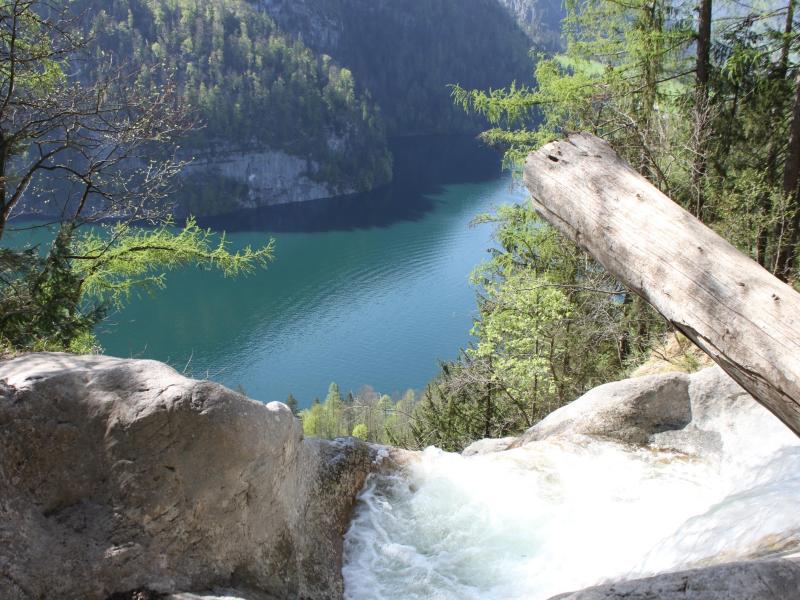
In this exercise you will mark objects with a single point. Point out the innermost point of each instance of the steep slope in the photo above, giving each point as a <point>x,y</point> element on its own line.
<point>406,52</point>
<point>297,96</point>
<point>541,20</point>
<point>280,120</point>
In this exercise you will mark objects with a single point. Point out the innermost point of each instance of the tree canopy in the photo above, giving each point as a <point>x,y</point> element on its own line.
<point>99,151</point>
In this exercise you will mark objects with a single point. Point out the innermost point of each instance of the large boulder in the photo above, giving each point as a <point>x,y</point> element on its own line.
<point>119,475</point>
<point>679,411</point>
<point>748,580</point>
<point>630,411</point>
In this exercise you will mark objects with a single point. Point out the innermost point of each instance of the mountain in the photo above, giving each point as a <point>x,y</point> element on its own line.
<point>298,97</point>
<point>279,120</point>
<point>541,20</point>
<point>406,52</point>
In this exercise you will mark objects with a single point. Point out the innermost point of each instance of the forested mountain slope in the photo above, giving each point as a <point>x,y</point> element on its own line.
<point>540,19</point>
<point>267,102</point>
<point>406,52</point>
<point>297,97</point>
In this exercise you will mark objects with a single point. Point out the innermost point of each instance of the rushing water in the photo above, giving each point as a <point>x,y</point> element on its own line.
<point>369,289</point>
<point>556,516</point>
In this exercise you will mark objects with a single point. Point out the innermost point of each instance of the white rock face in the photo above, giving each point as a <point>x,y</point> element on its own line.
<point>631,411</point>
<point>688,413</point>
<point>271,176</point>
<point>118,475</point>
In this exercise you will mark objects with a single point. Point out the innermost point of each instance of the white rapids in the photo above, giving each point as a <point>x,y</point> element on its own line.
<point>566,513</point>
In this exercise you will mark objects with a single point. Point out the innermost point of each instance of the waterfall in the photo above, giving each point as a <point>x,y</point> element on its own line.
<point>569,512</point>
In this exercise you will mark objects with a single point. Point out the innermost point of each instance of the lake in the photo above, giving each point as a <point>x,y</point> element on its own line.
<point>368,289</point>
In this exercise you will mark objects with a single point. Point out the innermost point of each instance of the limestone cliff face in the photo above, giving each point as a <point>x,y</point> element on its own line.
<point>117,475</point>
<point>256,178</point>
<point>540,19</point>
<point>320,26</point>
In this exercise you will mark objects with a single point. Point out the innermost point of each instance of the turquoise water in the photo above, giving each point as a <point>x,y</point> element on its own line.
<point>369,289</point>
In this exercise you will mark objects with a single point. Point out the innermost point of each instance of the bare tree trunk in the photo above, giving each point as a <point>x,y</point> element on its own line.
<point>775,145</point>
<point>4,210</point>
<point>701,106</point>
<point>488,414</point>
<point>742,316</point>
<point>788,240</point>
<point>787,40</point>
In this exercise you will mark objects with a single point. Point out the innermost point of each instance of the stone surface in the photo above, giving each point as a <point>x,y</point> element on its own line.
<point>678,411</point>
<point>270,177</point>
<point>487,446</point>
<point>750,580</point>
<point>631,411</point>
<point>119,475</point>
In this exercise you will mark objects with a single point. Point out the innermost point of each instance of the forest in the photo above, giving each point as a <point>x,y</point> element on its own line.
<point>703,99</point>
<point>407,52</point>
<point>253,85</point>
<point>255,82</point>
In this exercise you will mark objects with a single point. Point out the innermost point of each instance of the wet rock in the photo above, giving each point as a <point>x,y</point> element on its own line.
<point>750,580</point>
<point>487,446</point>
<point>675,411</point>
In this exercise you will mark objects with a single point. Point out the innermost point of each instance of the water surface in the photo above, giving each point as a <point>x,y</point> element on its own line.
<point>370,289</point>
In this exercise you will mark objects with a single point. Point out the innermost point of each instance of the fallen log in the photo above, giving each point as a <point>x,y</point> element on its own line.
<point>742,316</point>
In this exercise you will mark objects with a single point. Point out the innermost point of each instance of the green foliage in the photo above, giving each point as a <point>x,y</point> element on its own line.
<point>34,72</point>
<point>552,324</point>
<point>614,76</point>
<point>52,302</point>
<point>291,402</point>
<point>366,415</point>
<point>111,261</point>
<point>628,75</point>
<point>252,85</point>
<point>361,432</point>
<point>40,301</point>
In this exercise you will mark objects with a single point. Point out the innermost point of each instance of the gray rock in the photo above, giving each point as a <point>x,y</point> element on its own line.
<point>488,446</point>
<point>675,411</point>
<point>120,475</point>
<point>630,411</point>
<point>219,594</point>
<point>270,176</point>
<point>749,580</point>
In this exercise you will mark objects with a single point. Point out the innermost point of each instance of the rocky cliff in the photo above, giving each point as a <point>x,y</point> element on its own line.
<point>541,20</point>
<point>117,475</point>
<point>244,179</point>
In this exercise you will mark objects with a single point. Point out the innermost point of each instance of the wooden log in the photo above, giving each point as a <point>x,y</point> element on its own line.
<point>737,312</point>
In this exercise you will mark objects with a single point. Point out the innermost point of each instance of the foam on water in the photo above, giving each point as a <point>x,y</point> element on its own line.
<point>560,515</point>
